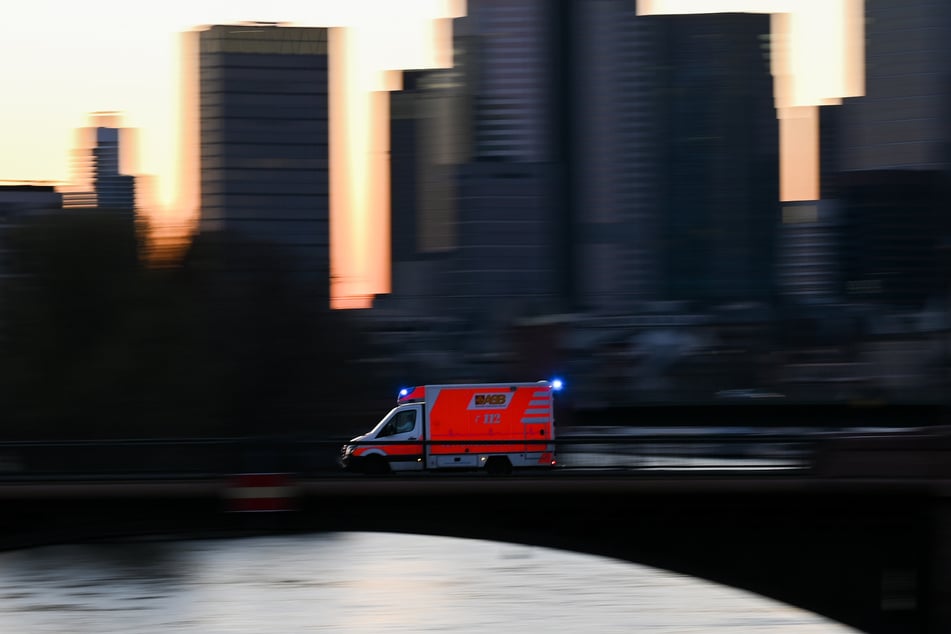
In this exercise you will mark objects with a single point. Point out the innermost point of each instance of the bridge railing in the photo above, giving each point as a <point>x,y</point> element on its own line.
<point>177,458</point>
<point>658,452</point>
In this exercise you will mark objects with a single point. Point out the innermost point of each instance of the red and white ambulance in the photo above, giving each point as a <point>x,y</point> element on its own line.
<point>491,426</point>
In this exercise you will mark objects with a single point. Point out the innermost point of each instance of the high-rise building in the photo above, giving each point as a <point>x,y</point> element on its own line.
<point>506,263</point>
<point>903,120</point>
<point>511,44</point>
<point>675,157</point>
<point>263,99</point>
<point>114,190</point>
<point>512,212</point>
<point>615,161</point>
<point>474,151</point>
<point>617,155</point>
<point>892,165</point>
<point>98,172</point>
<point>428,142</point>
<point>18,201</point>
<point>719,211</point>
<point>893,227</point>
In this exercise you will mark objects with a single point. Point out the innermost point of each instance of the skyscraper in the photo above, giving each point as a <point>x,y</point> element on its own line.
<point>263,91</point>
<point>428,142</point>
<point>512,78</point>
<point>512,219</point>
<point>98,178</point>
<point>616,160</point>
<point>617,155</point>
<point>676,158</point>
<point>893,162</point>
<point>19,201</point>
<point>903,120</point>
<point>720,207</point>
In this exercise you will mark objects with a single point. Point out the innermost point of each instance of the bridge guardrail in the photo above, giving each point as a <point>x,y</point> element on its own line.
<point>172,458</point>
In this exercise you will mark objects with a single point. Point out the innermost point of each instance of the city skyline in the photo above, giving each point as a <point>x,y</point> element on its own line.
<point>107,55</point>
<point>74,53</point>
<point>583,166</point>
<point>502,114</point>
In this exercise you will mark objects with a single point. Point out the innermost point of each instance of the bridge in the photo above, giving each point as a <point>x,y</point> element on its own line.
<point>860,532</point>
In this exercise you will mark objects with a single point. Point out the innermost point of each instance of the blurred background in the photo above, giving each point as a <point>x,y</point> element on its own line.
<point>582,188</point>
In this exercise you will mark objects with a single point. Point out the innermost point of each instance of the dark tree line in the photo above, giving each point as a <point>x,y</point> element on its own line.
<point>98,343</point>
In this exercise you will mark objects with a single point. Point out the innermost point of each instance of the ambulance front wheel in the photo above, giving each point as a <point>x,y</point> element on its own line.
<point>498,465</point>
<point>375,465</point>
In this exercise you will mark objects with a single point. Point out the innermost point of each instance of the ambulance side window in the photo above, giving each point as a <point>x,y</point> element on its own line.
<point>402,423</point>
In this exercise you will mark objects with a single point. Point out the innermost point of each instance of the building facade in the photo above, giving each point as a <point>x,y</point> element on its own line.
<point>892,164</point>
<point>512,258</point>
<point>99,178</point>
<point>264,152</point>
<point>651,143</point>
<point>429,140</point>
<point>17,202</point>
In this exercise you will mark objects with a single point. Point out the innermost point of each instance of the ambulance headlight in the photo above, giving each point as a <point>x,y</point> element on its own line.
<point>557,384</point>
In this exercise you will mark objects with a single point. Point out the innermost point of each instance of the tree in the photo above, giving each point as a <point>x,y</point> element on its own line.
<point>229,342</point>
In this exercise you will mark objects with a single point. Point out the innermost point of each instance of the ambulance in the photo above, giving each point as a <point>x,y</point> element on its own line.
<point>491,426</point>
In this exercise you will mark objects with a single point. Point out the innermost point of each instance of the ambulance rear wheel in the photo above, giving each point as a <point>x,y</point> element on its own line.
<point>498,465</point>
<point>375,465</point>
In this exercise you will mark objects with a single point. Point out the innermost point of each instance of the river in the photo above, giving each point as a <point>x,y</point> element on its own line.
<point>365,582</point>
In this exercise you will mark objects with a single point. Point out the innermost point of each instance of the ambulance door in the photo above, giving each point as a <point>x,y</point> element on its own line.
<point>404,426</point>
<point>536,421</point>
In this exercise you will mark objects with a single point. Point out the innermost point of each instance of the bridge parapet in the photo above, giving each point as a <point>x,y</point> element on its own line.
<point>922,454</point>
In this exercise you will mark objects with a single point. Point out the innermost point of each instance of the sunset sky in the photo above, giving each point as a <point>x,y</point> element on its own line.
<point>64,60</point>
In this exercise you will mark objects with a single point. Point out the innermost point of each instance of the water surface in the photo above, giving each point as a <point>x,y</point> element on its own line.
<point>366,582</point>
